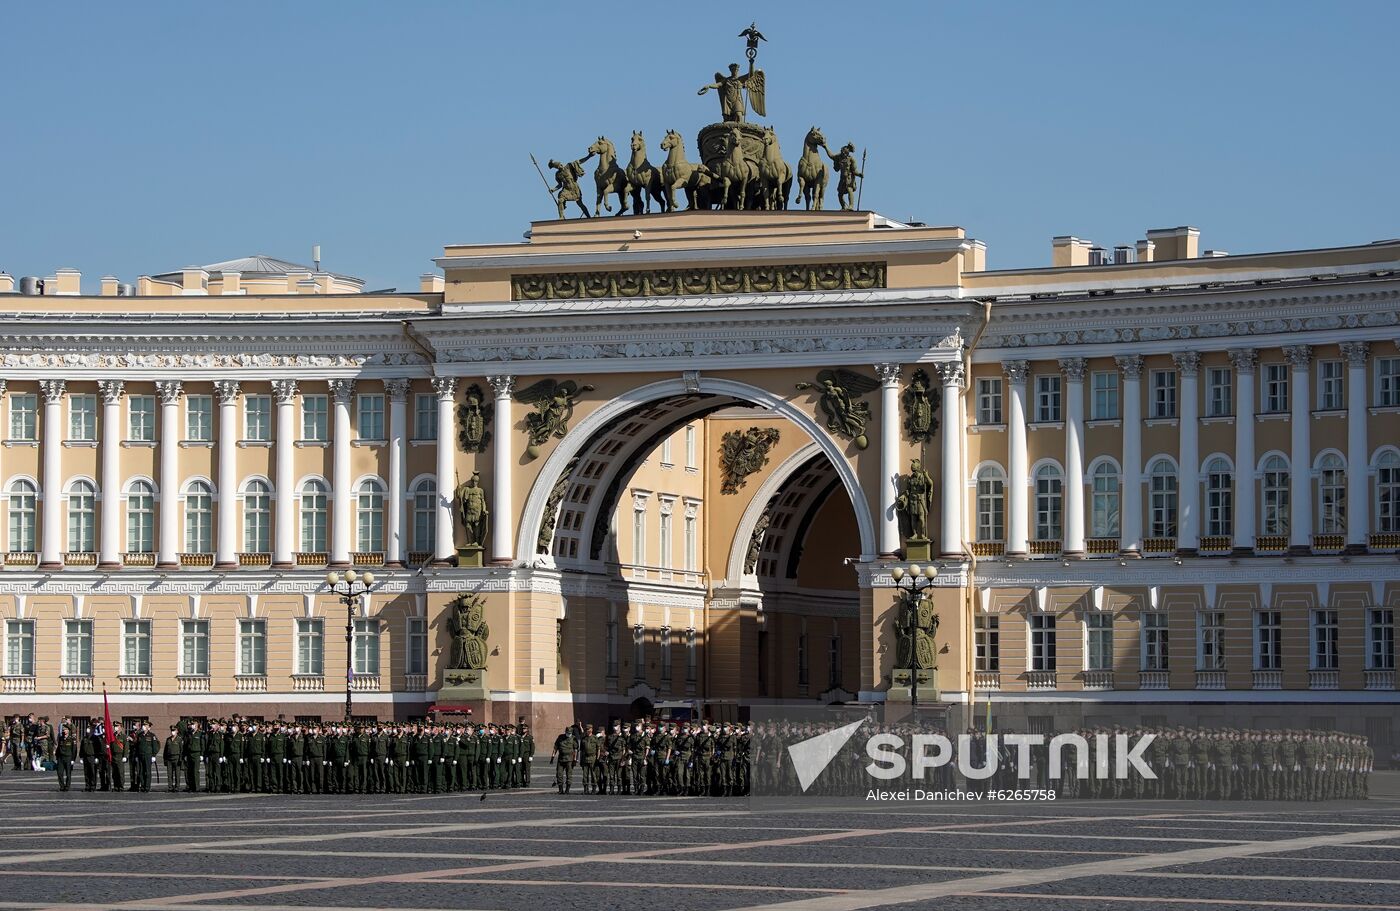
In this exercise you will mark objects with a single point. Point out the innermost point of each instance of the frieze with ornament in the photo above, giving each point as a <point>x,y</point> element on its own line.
<point>704,347</point>
<point>861,276</point>
<point>138,360</point>
<point>1220,329</point>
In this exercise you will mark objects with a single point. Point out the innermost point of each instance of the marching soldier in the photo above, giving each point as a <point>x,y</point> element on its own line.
<point>527,754</point>
<point>87,751</point>
<point>564,751</point>
<point>64,754</point>
<point>172,754</point>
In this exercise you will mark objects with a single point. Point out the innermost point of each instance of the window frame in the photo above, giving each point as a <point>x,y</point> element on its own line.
<point>1104,398</point>
<point>315,418</point>
<point>1165,395</point>
<point>990,401</point>
<point>1049,398</point>
<point>199,418</point>
<point>141,418</point>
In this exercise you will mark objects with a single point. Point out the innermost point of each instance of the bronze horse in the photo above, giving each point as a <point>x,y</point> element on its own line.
<point>644,178</point>
<point>608,177</point>
<point>811,170</point>
<point>693,178</point>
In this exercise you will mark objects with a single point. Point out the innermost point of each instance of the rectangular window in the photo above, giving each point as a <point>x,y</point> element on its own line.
<point>1210,630</point>
<point>24,416</point>
<point>1099,627</point>
<point>1380,655</point>
<point>1268,640</point>
<point>664,540</point>
<point>425,417</point>
<point>1163,394</point>
<point>194,648</point>
<point>82,417</point>
<point>989,400</point>
<point>416,660</point>
<point>1274,391</point>
<point>136,648</point>
<point>1042,642</point>
<point>313,418</point>
<point>257,418</point>
<point>1387,382</point>
<point>1047,399</point>
<point>987,635</point>
<point>369,413</point>
<point>199,418</point>
<point>1154,641</point>
<point>692,657</point>
<point>141,418</point>
<point>1329,386</point>
<point>252,648</point>
<point>690,447</point>
<point>664,641</point>
<point>311,647</point>
<point>639,537</point>
<point>1105,404</point>
<point>691,546</point>
<point>610,641</point>
<point>666,453</point>
<point>77,648</point>
<point>19,648</point>
<point>1324,653</point>
<point>802,665</point>
<point>367,646</point>
<point>1220,391</point>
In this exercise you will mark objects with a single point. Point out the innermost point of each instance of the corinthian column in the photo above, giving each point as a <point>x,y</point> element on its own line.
<point>109,527</point>
<point>502,543</point>
<point>397,393</point>
<point>952,489</point>
<point>1073,368</point>
<point>226,547</point>
<point>1358,459</point>
<point>284,526</point>
<point>1130,509</point>
<point>889,457</point>
<point>1244,360</point>
<point>1300,520</point>
<point>1017,471</point>
<point>168,541</point>
<point>343,511</point>
<point>444,542</point>
<point>51,547</point>
<point>1188,526</point>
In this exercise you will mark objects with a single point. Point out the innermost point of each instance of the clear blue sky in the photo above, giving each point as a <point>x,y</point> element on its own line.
<point>142,137</point>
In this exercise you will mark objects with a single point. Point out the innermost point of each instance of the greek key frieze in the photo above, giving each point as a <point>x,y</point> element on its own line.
<point>679,282</point>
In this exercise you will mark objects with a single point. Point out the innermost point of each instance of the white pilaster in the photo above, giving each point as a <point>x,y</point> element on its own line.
<point>889,457</point>
<point>501,510</point>
<point>397,393</point>
<point>1017,471</point>
<point>343,511</point>
<point>950,536</point>
<point>51,546</point>
<point>1245,361</point>
<point>1073,369</point>
<point>1358,459</point>
<point>226,546</point>
<point>168,541</point>
<point>284,534</point>
<point>444,537</point>
<point>109,546</point>
<point>1300,524</point>
<point>1130,509</point>
<point>1188,523</point>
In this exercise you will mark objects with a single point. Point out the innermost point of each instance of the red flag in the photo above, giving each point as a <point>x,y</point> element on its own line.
<point>108,737</point>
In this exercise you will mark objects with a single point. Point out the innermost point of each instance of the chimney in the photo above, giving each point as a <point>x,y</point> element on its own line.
<point>194,281</point>
<point>1176,243</point>
<point>430,283</point>
<point>1069,251</point>
<point>109,285</point>
<point>1213,254</point>
<point>67,282</point>
<point>1145,250</point>
<point>233,283</point>
<point>1122,254</point>
<point>7,283</point>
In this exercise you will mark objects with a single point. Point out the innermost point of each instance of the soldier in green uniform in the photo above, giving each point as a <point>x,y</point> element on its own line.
<point>724,761</point>
<point>316,746</point>
<point>255,752</point>
<point>617,782</point>
<point>87,751</point>
<point>527,754</point>
<point>564,752</point>
<point>400,746</point>
<point>64,754</point>
<point>360,744</point>
<point>589,750</point>
<point>684,760</point>
<point>704,759</point>
<point>638,752</point>
<point>118,764</point>
<point>275,762</point>
<point>192,753</point>
<point>172,754</point>
<point>294,772</point>
<point>145,747</point>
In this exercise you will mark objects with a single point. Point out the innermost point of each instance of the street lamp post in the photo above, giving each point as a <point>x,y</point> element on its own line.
<point>919,578</point>
<point>349,586</point>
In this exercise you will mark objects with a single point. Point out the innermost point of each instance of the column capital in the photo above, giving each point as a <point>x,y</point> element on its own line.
<point>1072,368</point>
<point>888,374</point>
<point>3,384</point>
<point>228,391</point>
<point>1016,371</point>
<point>342,390</point>
<point>1244,359</point>
<point>444,386</point>
<point>1298,356</point>
<point>53,390</point>
<point>1355,353</point>
<point>502,384</point>
<point>112,390</point>
<point>170,391</point>
<point>396,390</point>
<point>951,374</point>
<point>1130,365</point>
<point>1188,362</point>
<point>285,390</point>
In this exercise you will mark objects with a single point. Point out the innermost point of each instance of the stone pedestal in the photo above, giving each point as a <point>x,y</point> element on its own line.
<point>463,685</point>
<point>908,685</point>
<point>918,549</point>
<point>470,556</point>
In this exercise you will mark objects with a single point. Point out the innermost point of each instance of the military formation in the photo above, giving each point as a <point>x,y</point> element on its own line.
<point>1189,764</point>
<point>655,758</point>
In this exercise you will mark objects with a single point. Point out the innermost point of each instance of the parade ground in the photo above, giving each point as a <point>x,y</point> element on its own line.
<point>536,848</point>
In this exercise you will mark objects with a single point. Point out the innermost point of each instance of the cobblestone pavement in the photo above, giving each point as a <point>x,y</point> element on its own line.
<point>530,850</point>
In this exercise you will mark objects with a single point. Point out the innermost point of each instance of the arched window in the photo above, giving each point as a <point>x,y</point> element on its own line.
<point>1274,487</point>
<point>82,516</point>
<point>369,517</point>
<point>991,504</point>
<point>1220,498</point>
<point>1331,494</point>
<point>425,516</point>
<point>1049,503</point>
<point>1387,494</point>
<point>140,518</point>
<point>257,517</point>
<point>199,518</point>
<point>23,499</point>
<point>1106,503</point>
<point>313,517</point>
<point>1162,495</point>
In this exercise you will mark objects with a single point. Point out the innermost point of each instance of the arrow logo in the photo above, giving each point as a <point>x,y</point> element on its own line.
<point>811,757</point>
